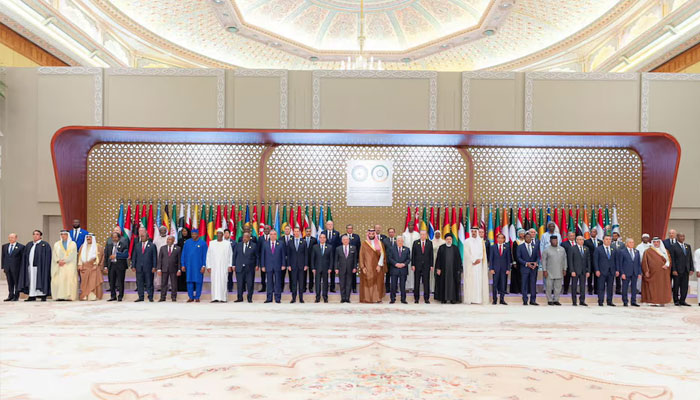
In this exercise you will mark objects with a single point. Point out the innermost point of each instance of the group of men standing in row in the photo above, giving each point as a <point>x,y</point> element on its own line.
<point>385,264</point>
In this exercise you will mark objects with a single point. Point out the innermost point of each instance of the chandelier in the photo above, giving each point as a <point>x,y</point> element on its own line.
<point>361,61</point>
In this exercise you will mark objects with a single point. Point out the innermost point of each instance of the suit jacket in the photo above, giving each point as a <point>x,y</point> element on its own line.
<point>422,259</point>
<point>386,242</point>
<point>354,240</point>
<point>522,257</point>
<point>342,263</point>
<point>322,261</point>
<point>668,245</point>
<point>619,245</point>
<point>169,263</point>
<point>626,265</point>
<point>591,248</point>
<point>79,239</point>
<point>333,240</point>
<point>567,246</point>
<point>145,259</point>
<point>680,261</point>
<point>395,258</point>
<point>12,261</point>
<point>249,259</point>
<point>580,264</point>
<point>309,249</point>
<point>297,258</point>
<point>273,261</point>
<point>500,262</point>
<point>605,265</point>
<point>122,251</point>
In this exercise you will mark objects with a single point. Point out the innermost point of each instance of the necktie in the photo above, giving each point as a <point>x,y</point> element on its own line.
<point>308,240</point>
<point>296,244</point>
<point>422,245</point>
<point>399,251</point>
<point>581,250</point>
<point>170,250</point>
<point>346,251</point>
<point>392,241</point>
<point>529,250</point>
<point>683,246</point>
<point>143,247</point>
<point>631,254</point>
<point>500,249</point>
<point>245,247</point>
<point>607,251</point>
<point>12,247</point>
<point>323,249</point>
<point>273,247</point>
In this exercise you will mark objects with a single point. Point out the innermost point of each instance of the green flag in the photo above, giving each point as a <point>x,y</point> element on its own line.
<point>329,216</point>
<point>284,219</point>
<point>239,223</point>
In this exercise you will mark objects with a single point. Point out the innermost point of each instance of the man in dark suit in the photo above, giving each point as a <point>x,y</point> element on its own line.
<point>422,264</point>
<point>681,267</point>
<point>245,263</point>
<point>333,241</point>
<point>617,244</point>
<point>296,264</point>
<point>143,261</point>
<point>671,240</point>
<point>345,267</point>
<point>310,242</point>
<point>629,266</point>
<point>499,265</point>
<point>260,242</point>
<point>528,255</point>
<point>169,268</point>
<point>567,245</point>
<point>388,242</point>
<point>354,241</point>
<point>605,270</point>
<point>116,256</point>
<point>593,243</point>
<point>321,263</point>
<point>579,269</point>
<point>272,265</point>
<point>11,264</point>
<point>399,259</point>
<point>378,230</point>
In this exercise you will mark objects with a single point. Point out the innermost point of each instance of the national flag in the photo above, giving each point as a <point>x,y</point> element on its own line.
<point>446,227</point>
<point>187,223</point>
<point>329,217</point>
<point>431,225</point>
<point>284,219</point>
<point>424,220</point>
<point>269,220</point>
<point>526,220</point>
<point>601,225</point>
<point>497,223</point>
<point>461,234</point>
<point>211,234</point>
<point>254,222</point>
<point>306,223</point>
<point>120,217</point>
<point>158,219</point>
<point>150,224</point>
<point>292,220</point>
<point>203,222</point>
<point>416,220</point>
<point>166,218</point>
<point>455,230</point>
<point>579,230</point>
<point>585,224</point>
<point>127,222</point>
<point>218,221</point>
<point>195,217</point>
<point>467,224</point>
<point>572,224</point>
<point>490,234</point>
<point>564,227</point>
<point>505,229</point>
<point>261,227</point>
<point>513,234</point>
<point>541,223</point>
<point>557,224</point>
<point>224,218</point>
<point>533,220</point>
<point>314,229</point>
<point>321,223</point>
<point>299,223</point>
<point>593,219</point>
<point>278,223</point>
<point>408,218</point>
<point>437,225</point>
<point>615,223</point>
<point>238,222</point>
<point>136,225</point>
<point>519,223</point>
<point>173,222</point>
<point>482,223</point>
<point>606,221</point>
<point>475,220</point>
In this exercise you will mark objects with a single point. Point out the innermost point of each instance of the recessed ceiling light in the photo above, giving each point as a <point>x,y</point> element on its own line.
<point>275,44</point>
<point>506,5</point>
<point>489,32</point>
<point>313,58</point>
<point>444,45</point>
<point>232,29</point>
<point>406,59</point>
<point>218,1</point>
<point>224,14</point>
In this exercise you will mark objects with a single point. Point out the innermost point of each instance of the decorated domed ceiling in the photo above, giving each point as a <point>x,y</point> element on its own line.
<point>443,35</point>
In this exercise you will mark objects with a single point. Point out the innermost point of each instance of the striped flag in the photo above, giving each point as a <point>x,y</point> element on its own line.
<point>490,235</point>
<point>314,230</point>
<point>278,223</point>
<point>615,223</point>
<point>431,226</point>
<point>446,227</point>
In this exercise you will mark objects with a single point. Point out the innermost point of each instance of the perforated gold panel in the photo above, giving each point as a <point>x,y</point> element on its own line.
<point>169,172</point>
<point>317,173</point>
<point>549,176</point>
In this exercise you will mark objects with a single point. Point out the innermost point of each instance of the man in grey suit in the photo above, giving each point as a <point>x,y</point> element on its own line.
<point>168,268</point>
<point>579,268</point>
<point>399,260</point>
<point>345,267</point>
<point>617,244</point>
<point>554,266</point>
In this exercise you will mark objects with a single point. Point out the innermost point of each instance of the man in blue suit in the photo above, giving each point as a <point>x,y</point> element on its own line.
<point>296,262</point>
<point>527,256</point>
<point>399,259</point>
<point>143,261</point>
<point>272,264</point>
<point>245,261</point>
<point>605,270</point>
<point>499,265</point>
<point>629,266</point>
<point>77,234</point>
<point>322,263</point>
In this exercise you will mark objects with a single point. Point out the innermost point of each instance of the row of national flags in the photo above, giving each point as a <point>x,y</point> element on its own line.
<point>508,220</point>
<point>208,218</point>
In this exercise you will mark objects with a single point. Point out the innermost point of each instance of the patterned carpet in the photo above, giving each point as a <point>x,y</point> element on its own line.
<point>129,350</point>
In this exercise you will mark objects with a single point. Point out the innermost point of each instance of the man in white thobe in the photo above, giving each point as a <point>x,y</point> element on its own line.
<point>476,278</point>
<point>64,269</point>
<point>410,236</point>
<point>219,262</point>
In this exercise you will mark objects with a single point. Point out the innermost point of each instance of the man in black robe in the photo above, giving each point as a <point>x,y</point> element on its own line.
<point>449,270</point>
<point>35,274</point>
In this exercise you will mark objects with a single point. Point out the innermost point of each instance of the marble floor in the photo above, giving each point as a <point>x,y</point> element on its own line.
<point>110,350</point>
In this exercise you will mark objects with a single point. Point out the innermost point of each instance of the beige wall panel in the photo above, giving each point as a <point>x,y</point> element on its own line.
<point>585,105</point>
<point>62,100</point>
<point>375,103</point>
<point>300,99</point>
<point>161,101</point>
<point>674,108</point>
<point>256,102</point>
<point>493,105</point>
<point>449,117</point>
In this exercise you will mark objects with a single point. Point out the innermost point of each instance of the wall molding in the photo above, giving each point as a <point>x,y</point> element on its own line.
<point>530,77</point>
<point>316,89</point>
<point>283,75</point>
<point>657,76</point>
<point>467,76</point>
<point>98,96</point>
<point>184,72</point>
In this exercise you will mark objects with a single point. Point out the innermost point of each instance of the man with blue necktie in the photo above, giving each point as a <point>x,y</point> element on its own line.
<point>606,270</point>
<point>629,266</point>
<point>499,264</point>
<point>528,256</point>
<point>272,265</point>
<point>296,262</point>
<point>77,234</point>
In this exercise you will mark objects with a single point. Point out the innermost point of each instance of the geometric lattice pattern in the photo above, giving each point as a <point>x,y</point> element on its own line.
<point>180,172</point>
<point>561,176</point>
<point>302,174</point>
<point>310,174</point>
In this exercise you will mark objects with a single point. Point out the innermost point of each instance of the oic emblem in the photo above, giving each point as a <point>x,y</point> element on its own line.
<point>359,173</point>
<point>380,173</point>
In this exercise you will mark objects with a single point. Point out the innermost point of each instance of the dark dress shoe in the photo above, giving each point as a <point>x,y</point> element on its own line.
<point>16,298</point>
<point>427,302</point>
<point>268,301</point>
<point>392,302</point>
<point>301,300</point>
<point>549,303</point>
<point>600,304</point>
<point>354,290</point>
<point>556,303</point>
<point>238,301</point>
<point>30,299</point>
<point>676,304</point>
<point>416,301</point>
<point>404,302</point>
<point>325,300</point>
<point>161,299</point>
<point>685,304</point>
<point>611,305</point>
<point>43,298</point>
<point>293,301</point>
<point>534,303</point>
<point>574,304</point>
<point>138,300</point>
<point>524,303</point>
<point>503,302</point>
<point>278,301</point>
<point>493,302</point>
<point>625,305</point>
<point>174,300</point>
<point>150,299</point>
<point>119,299</point>
<point>214,301</point>
<point>196,300</point>
<point>263,290</point>
<point>9,299</point>
<point>190,300</point>
<point>584,304</point>
<point>250,300</point>
<point>317,301</point>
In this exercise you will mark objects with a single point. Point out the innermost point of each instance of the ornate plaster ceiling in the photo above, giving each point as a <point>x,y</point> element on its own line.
<point>457,35</point>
